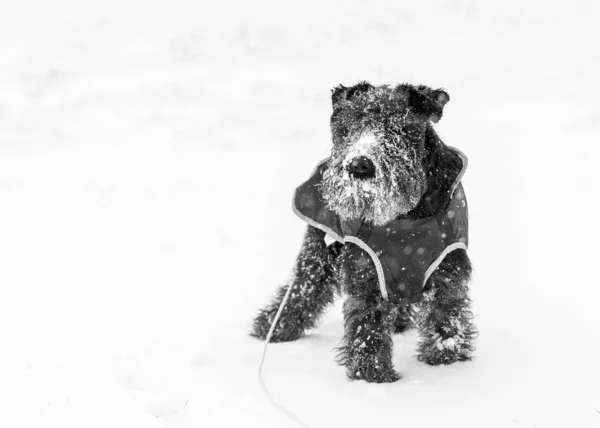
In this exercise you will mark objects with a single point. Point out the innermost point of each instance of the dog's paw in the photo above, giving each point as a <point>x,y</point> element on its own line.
<point>284,331</point>
<point>436,357</point>
<point>374,374</point>
<point>373,371</point>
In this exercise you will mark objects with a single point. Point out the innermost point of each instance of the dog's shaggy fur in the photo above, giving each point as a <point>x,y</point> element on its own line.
<point>402,175</point>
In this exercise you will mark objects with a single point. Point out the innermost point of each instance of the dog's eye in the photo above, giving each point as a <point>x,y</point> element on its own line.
<point>373,110</point>
<point>342,131</point>
<point>401,132</point>
<point>411,131</point>
<point>408,130</point>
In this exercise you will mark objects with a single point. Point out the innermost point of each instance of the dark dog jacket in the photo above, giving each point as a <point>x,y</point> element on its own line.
<point>405,252</point>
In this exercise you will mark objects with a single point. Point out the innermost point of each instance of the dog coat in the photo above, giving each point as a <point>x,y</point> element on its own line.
<point>405,252</point>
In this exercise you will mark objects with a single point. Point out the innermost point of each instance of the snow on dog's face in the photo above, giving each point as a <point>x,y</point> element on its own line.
<point>376,171</point>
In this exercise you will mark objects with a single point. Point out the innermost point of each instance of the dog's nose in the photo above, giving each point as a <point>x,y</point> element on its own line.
<point>361,167</point>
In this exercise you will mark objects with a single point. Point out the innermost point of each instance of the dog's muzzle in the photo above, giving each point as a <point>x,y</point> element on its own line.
<point>361,167</point>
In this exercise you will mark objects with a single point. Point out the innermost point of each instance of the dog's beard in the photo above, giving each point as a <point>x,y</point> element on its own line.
<point>376,200</point>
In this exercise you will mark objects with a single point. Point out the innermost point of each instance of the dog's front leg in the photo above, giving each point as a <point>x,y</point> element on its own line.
<point>366,349</point>
<point>445,319</point>
<point>314,288</point>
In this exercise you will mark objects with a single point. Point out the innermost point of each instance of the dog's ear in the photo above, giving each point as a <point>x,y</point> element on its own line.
<point>338,93</point>
<point>444,166</point>
<point>341,92</point>
<point>359,88</point>
<point>426,101</point>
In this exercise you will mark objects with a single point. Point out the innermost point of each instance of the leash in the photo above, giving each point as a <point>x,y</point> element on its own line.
<point>274,403</point>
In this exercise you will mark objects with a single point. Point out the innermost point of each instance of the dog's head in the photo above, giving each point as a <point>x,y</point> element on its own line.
<point>383,142</point>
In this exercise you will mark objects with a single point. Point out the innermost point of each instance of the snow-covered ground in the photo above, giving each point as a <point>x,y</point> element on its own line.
<point>148,153</point>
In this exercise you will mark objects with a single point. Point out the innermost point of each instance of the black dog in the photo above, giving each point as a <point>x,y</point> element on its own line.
<point>387,220</point>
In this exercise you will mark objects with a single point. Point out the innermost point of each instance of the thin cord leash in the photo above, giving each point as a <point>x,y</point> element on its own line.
<point>282,409</point>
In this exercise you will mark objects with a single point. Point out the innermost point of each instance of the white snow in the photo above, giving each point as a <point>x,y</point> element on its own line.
<point>148,154</point>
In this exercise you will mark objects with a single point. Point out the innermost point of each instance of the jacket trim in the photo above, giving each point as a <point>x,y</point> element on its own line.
<point>308,220</point>
<point>313,223</point>
<point>465,161</point>
<point>440,259</point>
<point>352,239</point>
<point>456,245</point>
<point>380,275</point>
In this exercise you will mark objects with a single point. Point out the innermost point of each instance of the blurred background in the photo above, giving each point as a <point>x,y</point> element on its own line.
<point>148,154</point>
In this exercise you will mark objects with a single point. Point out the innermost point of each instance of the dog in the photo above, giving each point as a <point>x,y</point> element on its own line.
<point>387,227</point>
